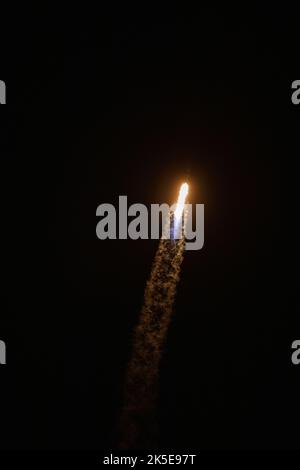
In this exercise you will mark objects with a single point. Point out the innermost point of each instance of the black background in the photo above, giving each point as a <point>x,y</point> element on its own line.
<point>102,104</point>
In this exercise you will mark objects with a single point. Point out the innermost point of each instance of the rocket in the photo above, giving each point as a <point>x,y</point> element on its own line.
<point>177,216</point>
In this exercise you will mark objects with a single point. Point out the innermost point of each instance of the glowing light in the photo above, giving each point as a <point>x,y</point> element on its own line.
<point>184,189</point>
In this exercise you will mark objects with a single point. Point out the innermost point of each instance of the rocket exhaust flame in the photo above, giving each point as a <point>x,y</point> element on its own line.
<point>181,200</point>
<point>178,216</point>
<point>138,426</point>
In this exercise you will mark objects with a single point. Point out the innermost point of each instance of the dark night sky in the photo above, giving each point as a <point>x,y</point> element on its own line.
<point>104,104</point>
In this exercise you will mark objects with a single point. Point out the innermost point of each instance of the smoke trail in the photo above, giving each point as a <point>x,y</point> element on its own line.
<point>138,426</point>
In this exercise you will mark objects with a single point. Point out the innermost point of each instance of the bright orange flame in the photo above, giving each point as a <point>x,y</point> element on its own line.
<point>184,189</point>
